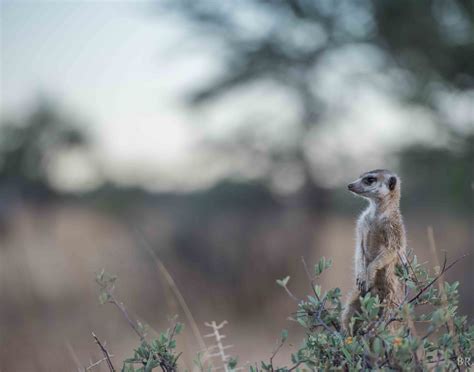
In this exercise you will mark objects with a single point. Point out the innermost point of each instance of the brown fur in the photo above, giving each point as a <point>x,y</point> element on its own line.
<point>380,244</point>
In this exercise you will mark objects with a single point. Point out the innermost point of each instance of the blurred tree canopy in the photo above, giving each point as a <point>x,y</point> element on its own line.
<point>433,40</point>
<point>28,144</point>
<point>425,46</point>
<point>440,177</point>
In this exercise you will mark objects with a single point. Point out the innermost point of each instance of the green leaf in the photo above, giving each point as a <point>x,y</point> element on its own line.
<point>132,360</point>
<point>438,317</point>
<point>142,351</point>
<point>378,346</point>
<point>328,263</point>
<point>284,335</point>
<point>155,345</point>
<point>103,297</point>
<point>283,282</point>
<point>322,265</point>
<point>150,365</point>
<point>319,267</point>
<point>127,368</point>
<point>347,355</point>
<point>294,358</point>
<point>317,289</point>
<point>232,363</point>
<point>178,328</point>
<point>301,321</point>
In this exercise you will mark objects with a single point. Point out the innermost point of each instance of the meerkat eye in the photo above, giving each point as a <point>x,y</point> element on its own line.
<point>370,180</point>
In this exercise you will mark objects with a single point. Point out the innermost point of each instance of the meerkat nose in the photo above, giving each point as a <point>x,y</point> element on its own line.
<point>350,186</point>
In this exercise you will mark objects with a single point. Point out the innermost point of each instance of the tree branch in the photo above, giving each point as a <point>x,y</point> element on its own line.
<point>443,271</point>
<point>105,352</point>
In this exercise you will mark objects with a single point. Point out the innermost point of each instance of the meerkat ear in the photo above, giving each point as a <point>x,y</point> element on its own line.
<point>392,182</point>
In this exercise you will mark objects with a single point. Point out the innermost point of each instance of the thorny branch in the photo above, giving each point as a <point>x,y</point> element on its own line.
<point>95,364</point>
<point>109,290</point>
<point>275,352</point>
<point>311,278</point>
<point>105,352</point>
<point>442,272</point>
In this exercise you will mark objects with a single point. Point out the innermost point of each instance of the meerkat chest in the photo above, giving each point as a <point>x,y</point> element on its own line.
<point>373,239</point>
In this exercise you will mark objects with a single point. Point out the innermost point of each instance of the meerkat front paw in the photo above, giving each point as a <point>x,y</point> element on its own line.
<point>370,279</point>
<point>361,282</point>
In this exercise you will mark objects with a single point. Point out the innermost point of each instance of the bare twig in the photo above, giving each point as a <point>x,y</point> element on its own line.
<point>107,286</point>
<point>218,350</point>
<point>297,365</point>
<point>443,271</point>
<point>124,312</point>
<point>293,297</point>
<point>95,364</point>
<point>444,298</point>
<point>406,262</point>
<point>310,278</point>
<point>419,353</point>
<point>320,321</point>
<point>105,352</point>
<point>275,352</point>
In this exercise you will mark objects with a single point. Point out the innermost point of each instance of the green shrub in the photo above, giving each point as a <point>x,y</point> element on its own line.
<point>429,334</point>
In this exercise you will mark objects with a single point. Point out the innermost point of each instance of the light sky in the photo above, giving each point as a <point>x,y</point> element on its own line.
<point>107,62</point>
<point>124,68</point>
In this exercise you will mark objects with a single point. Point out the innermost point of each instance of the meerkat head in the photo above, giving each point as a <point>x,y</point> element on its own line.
<point>379,184</point>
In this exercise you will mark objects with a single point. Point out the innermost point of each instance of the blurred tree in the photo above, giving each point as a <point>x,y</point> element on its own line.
<point>440,178</point>
<point>429,44</point>
<point>26,147</point>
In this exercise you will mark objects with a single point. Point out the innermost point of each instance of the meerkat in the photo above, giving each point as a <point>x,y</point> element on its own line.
<point>380,242</point>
